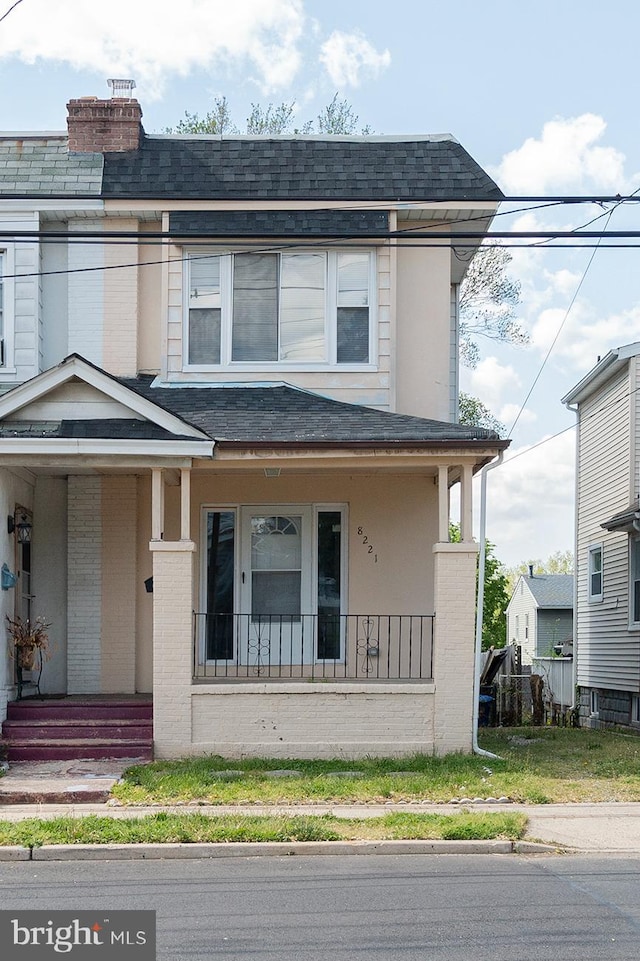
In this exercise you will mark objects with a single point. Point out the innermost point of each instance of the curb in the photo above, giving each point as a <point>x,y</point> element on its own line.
<point>126,852</point>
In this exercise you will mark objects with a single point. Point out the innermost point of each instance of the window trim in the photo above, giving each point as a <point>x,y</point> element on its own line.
<point>7,324</point>
<point>634,715</point>
<point>331,313</point>
<point>238,509</point>
<point>634,542</point>
<point>594,702</point>
<point>593,597</point>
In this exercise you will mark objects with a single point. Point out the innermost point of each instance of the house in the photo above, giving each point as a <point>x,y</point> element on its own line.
<point>540,614</point>
<point>607,640</point>
<point>228,424</point>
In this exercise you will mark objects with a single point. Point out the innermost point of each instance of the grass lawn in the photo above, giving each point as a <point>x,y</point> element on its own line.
<point>536,765</point>
<point>192,828</point>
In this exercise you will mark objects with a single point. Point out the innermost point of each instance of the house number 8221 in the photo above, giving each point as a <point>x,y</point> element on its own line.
<point>369,547</point>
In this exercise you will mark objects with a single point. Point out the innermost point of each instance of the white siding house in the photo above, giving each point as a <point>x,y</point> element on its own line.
<point>607,642</point>
<point>540,614</point>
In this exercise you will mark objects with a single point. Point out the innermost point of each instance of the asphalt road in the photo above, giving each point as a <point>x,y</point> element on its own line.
<point>384,908</point>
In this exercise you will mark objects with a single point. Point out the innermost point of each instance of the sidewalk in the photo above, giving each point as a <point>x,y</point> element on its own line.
<point>78,788</point>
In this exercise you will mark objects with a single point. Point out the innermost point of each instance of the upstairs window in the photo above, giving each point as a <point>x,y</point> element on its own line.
<point>595,574</point>
<point>299,308</point>
<point>6,309</point>
<point>634,580</point>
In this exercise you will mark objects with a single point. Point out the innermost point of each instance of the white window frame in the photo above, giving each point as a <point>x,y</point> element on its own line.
<point>7,313</point>
<point>594,703</point>
<point>635,709</point>
<point>634,577</point>
<point>593,596</point>
<point>239,558</point>
<point>331,307</point>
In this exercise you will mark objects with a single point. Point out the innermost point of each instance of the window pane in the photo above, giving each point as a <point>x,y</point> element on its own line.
<point>275,594</point>
<point>302,309</point>
<point>353,335</point>
<point>353,280</point>
<point>220,577</point>
<point>276,543</point>
<point>204,336</point>
<point>329,553</point>
<point>255,307</point>
<point>204,281</point>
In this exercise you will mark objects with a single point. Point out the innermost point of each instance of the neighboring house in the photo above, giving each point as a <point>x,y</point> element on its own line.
<point>540,614</point>
<point>608,539</point>
<point>231,389</point>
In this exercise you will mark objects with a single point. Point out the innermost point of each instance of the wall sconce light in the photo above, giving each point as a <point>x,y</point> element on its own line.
<point>21,525</point>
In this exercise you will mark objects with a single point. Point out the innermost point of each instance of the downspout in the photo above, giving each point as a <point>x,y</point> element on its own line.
<point>574,665</point>
<point>480,604</point>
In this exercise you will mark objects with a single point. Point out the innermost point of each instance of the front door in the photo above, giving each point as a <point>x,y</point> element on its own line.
<point>276,594</point>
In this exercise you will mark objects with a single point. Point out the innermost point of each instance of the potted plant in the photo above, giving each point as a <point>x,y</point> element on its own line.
<point>29,643</point>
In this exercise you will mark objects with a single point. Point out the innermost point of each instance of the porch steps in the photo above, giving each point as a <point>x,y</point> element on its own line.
<point>61,729</point>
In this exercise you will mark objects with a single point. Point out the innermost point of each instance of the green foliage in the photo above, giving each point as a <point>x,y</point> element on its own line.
<point>338,117</point>
<point>473,413</point>
<point>560,562</point>
<point>496,595</point>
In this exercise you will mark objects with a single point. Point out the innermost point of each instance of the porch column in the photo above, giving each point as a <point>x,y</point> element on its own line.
<point>173,581</point>
<point>466,504</point>
<point>443,503</point>
<point>453,645</point>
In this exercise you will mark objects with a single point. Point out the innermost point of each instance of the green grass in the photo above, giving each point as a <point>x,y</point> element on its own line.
<point>536,765</point>
<point>163,828</point>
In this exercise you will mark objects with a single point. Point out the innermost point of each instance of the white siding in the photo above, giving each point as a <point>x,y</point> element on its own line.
<point>522,605</point>
<point>608,653</point>
<point>86,295</point>
<point>24,304</point>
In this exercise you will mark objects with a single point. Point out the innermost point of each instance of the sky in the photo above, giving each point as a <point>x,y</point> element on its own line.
<point>542,93</point>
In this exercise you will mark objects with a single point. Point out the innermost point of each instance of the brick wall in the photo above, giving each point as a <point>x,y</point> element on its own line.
<point>118,640</point>
<point>84,604</point>
<point>104,126</point>
<point>454,645</point>
<point>173,573</point>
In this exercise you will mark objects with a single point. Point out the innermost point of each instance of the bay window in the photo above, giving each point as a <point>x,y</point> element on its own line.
<point>301,307</point>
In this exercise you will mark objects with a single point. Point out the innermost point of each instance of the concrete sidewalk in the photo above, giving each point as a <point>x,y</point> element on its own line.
<point>78,788</point>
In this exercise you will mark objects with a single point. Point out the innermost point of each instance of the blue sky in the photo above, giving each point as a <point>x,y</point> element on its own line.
<point>543,94</point>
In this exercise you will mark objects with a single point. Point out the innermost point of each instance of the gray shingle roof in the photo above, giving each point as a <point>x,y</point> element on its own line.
<point>551,590</point>
<point>298,168</point>
<point>280,223</point>
<point>286,415</point>
<point>108,429</point>
<point>45,167</point>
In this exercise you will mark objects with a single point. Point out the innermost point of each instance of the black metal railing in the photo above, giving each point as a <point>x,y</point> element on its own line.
<point>308,646</point>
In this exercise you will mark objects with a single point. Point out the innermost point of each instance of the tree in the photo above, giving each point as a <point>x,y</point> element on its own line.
<point>488,298</point>
<point>560,562</point>
<point>496,596</point>
<point>474,413</point>
<point>338,117</point>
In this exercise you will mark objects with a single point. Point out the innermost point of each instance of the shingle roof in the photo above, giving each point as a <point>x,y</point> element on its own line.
<point>551,590</point>
<point>280,223</point>
<point>44,166</point>
<point>107,429</point>
<point>282,168</point>
<point>285,415</point>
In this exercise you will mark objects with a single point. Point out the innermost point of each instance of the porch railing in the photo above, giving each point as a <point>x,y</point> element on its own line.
<point>308,646</point>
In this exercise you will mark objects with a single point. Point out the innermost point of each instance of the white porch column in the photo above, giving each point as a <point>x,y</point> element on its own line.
<point>466,504</point>
<point>185,505</point>
<point>453,645</point>
<point>443,503</point>
<point>157,504</point>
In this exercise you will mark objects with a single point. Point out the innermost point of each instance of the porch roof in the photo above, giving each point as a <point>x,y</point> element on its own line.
<point>248,416</point>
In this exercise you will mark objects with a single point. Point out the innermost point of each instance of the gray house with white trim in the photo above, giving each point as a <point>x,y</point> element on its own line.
<point>607,651</point>
<point>540,614</point>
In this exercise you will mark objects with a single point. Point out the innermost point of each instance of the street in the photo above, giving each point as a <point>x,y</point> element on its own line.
<point>415,908</point>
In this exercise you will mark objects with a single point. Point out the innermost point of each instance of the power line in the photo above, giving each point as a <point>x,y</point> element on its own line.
<point>12,7</point>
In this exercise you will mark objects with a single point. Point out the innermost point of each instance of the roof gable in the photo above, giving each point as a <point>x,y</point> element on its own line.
<point>76,390</point>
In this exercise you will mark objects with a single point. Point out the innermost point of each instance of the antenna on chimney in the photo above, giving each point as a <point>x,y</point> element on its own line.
<point>121,88</point>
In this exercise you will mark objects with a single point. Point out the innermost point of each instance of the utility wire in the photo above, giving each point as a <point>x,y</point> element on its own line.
<point>5,15</point>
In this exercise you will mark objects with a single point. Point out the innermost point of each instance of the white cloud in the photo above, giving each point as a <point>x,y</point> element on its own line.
<point>491,379</point>
<point>567,155</point>
<point>150,40</point>
<point>585,336</point>
<point>530,501</point>
<point>347,57</point>
<point>508,413</point>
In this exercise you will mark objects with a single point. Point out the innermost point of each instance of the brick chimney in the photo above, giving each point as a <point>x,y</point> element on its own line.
<point>104,126</point>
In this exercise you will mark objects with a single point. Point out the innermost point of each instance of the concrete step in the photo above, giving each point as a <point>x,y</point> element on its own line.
<point>38,730</point>
<point>78,748</point>
<point>62,709</point>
